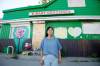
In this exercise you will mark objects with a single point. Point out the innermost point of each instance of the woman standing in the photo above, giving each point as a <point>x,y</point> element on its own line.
<point>51,49</point>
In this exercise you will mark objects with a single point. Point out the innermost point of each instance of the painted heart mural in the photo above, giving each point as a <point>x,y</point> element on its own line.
<point>74,31</point>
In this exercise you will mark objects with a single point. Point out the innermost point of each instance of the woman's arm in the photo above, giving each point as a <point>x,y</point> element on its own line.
<point>59,56</point>
<point>41,57</point>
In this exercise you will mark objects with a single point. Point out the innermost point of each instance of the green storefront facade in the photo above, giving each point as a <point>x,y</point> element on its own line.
<point>71,24</point>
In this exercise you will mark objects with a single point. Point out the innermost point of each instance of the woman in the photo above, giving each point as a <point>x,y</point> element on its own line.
<point>51,49</point>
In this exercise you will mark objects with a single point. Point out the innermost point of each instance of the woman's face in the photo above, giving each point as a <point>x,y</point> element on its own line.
<point>50,31</point>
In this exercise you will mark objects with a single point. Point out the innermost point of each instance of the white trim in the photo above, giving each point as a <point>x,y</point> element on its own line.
<point>38,22</point>
<point>53,18</point>
<point>19,24</point>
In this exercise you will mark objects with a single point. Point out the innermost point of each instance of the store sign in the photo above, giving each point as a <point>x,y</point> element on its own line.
<point>76,3</point>
<point>51,12</point>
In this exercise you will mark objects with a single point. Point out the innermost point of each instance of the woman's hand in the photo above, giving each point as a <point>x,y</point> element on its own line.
<point>42,58</point>
<point>59,57</point>
<point>42,62</point>
<point>59,60</point>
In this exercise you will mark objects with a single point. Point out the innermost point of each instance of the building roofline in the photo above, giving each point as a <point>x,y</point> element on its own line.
<point>30,7</point>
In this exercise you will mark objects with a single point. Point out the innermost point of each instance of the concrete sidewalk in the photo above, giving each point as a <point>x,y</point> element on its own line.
<point>34,61</point>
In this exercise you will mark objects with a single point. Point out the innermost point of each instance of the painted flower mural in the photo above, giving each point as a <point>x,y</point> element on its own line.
<point>20,32</point>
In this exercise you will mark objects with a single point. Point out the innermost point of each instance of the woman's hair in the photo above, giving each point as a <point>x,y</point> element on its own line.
<point>46,34</point>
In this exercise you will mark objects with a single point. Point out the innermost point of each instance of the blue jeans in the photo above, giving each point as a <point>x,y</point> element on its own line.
<point>50,60</point>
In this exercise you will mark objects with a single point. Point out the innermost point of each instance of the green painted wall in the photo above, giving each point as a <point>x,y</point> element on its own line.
<point>5,30</point>
<point>91,36</point>
<point>0,31</point>
<point>31,30</point>
<point>92,8</point>
<point>73,24</point>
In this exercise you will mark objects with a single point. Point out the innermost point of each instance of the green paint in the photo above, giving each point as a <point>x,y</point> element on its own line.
<point>91,36</point>
<point>63,23</point>
<point>92,8</point>
<point>73,24</point>
<point>5,30</point>
<point>66,24</point>
<point>31,30</point>
<point>0,30</point>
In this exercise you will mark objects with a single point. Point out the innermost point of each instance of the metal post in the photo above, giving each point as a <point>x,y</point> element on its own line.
<point>11,48</point>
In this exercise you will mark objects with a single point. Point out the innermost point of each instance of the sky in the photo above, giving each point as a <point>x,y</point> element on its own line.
<point>10,4</point>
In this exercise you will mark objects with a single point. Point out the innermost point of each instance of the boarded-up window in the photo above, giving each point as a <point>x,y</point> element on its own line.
<point>91,28</point>
<point>38,33</point>
<point>76,3</point>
